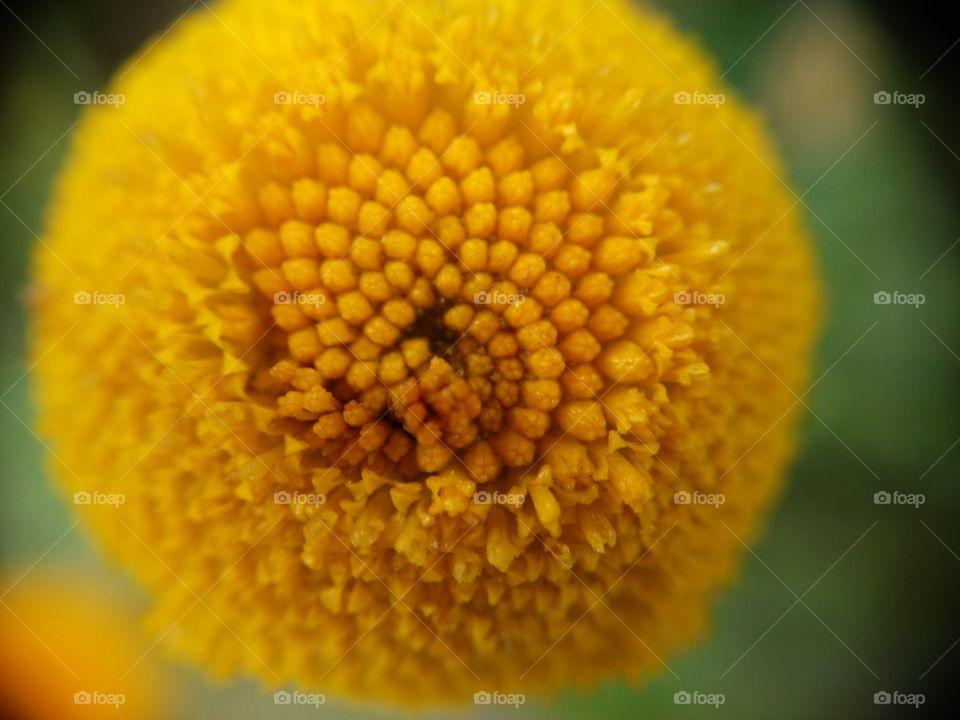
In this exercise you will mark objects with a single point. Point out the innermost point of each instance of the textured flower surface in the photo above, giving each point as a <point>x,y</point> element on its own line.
<point>432,347</point>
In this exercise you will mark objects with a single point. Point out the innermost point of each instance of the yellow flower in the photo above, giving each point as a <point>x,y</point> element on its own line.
<point>433,348</point>
<point>67,651</point>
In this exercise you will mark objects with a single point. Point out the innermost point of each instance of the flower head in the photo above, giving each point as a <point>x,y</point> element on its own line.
<point>449,348</point>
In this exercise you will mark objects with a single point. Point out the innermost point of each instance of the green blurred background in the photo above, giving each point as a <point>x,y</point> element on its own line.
<point>840,597</point>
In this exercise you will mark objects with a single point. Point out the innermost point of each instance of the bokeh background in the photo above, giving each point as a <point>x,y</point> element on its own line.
<point>840,597</point>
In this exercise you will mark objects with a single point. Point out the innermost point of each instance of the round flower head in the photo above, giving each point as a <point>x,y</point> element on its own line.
<point>410,350</point>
